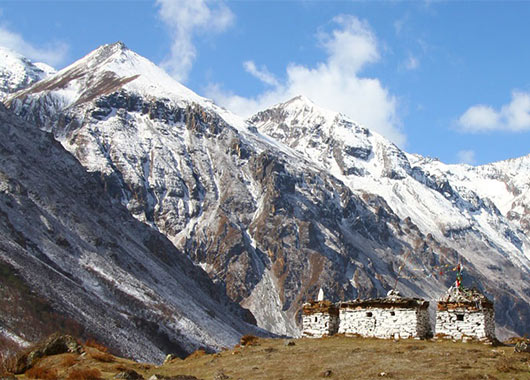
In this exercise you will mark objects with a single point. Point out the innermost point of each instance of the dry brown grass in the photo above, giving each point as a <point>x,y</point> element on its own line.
<point>94,344</point>
<point>84,374</point>
<point>69,360</point>
<point>336,357</point>
<point>358,358</point>
<point>120,367</point>
<point>517,339</point>
<point>196,354</point>
<point>41,373</point>
<point>102,357</point>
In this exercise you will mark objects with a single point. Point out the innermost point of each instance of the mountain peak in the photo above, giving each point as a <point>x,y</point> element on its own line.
<point>114,67</point>
<point>299,100</point>
<point>108,50</point>
<point>296,111</point>
<point>107,55</point>
<point>17,72</point>
<point>109,68</point>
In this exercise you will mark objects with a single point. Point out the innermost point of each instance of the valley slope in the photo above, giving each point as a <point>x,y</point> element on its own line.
<point>294,199</point>
<point>73,259</point>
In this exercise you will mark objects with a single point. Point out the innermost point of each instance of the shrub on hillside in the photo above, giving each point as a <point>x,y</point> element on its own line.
<point>197,354</point>
<point>102,357</point>
<point>84,374</point>
<point>98,346</point>
<point>41,373</point>
<point>248,340</point>
<point>69,360</point>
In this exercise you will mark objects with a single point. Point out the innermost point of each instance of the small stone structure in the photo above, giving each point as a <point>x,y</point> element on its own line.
<point>319,318</point>
<point>465,313</point>
<point>390,317</point>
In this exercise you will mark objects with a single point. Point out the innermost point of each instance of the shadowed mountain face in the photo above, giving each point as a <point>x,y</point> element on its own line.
<point>295,199</point>
<point>73,259</point>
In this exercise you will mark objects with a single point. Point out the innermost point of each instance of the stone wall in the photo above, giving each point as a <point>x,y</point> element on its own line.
<point>318,324</point>
<point>459,323</point>
<point>385,323</point>
<point>424,324</point>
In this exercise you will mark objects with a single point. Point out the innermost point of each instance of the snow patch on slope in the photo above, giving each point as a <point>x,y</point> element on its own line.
<point>265,304</point>
<point>18,72</point>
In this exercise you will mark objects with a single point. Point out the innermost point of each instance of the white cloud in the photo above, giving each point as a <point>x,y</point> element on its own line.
<point>514,117</point>
<point>334,83</point>
<point>398,25</point>
<point>412,63</point>
<point>53,54</point>
<point>262,74</point>
<point>184,19</point>
<point>466,157</point>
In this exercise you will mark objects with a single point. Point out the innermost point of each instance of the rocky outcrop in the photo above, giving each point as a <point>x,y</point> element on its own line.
<point>53,345</point>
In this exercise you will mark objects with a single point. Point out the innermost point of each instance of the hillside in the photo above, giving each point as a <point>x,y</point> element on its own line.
<point>75,260</point>
<point>336,358</point>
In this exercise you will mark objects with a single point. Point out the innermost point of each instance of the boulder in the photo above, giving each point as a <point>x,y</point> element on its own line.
<point>522,346</point>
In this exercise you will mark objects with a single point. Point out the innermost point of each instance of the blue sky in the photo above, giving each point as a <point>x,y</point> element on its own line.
<point>443,79</point>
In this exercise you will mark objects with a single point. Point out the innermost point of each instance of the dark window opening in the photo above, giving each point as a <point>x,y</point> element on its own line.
<point>369,314</point>
<point>392,313</point>
<point>316,319</point>
<point>460,317</point>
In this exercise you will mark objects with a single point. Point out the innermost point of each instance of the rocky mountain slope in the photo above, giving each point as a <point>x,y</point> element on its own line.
<point>292,200</point>
<point>74,259</point>
<point>478,213</point>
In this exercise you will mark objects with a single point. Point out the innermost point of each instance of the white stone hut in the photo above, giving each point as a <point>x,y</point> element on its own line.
<point>387,318</point>
<point>465,313</point>
<point>319,318</point>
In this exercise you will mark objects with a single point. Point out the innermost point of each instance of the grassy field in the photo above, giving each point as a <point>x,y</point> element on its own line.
<point>335,358</point>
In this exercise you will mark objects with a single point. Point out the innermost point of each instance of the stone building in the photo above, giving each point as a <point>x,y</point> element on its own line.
<point>390,317</point>
<point>465,313</point>
<point>319,318</point>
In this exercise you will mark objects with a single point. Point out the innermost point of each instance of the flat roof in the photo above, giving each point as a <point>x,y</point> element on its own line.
<point>386,303</point>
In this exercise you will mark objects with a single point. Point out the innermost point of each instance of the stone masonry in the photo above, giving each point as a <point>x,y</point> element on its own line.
<point>465,313</point>
<point>390,317</point>
<point>320,318</point>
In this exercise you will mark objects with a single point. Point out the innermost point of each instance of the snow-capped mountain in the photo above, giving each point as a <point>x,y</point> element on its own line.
<point>505,183</point>
<point>452,197</point>
<point>295,199</point>
<point>481,213</point>
<point>71,258</point>
<point>18,72</point>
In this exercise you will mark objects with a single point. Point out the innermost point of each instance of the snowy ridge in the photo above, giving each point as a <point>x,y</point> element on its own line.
<point>460,205</point>
<point>368,163</point>
<point>114,66</point>
<point>18,72</point>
